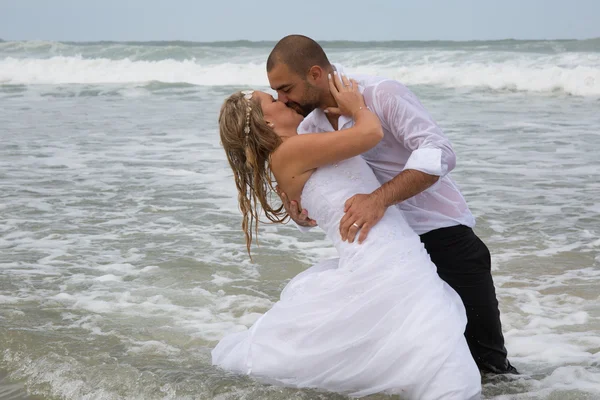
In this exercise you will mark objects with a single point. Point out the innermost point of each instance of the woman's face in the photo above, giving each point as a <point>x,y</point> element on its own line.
<point>281,117</point>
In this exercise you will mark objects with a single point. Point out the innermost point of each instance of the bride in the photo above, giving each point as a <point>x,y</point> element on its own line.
<point>380,320</point>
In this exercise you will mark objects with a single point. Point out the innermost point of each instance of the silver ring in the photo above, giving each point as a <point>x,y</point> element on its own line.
<point>354,224</point>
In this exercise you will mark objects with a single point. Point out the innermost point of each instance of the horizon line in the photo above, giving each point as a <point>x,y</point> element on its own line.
<point>317,40</point>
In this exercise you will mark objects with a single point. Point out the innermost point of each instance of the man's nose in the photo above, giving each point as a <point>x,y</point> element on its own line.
<point>282,97</point>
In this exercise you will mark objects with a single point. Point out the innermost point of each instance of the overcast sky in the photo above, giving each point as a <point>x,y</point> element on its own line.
<point>215,20</point>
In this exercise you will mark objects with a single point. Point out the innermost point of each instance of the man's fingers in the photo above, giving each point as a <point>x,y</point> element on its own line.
<point>345,219</point>
<point>364,231</point>
<point>303,216</point>
<point>285,201</point>
<point>299,217</point>
<point>333,111</point>
<point>353,230</point>
<point>348,204</point>
<point>345,226</point>
<point>344,230</point>
<point>294,209</point>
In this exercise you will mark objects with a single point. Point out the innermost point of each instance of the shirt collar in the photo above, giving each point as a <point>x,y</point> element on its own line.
<point>321,118</point>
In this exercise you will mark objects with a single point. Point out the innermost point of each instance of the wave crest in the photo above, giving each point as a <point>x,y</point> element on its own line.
<point>569,75</point>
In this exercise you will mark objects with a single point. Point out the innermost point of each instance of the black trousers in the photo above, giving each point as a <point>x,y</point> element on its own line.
<point>464,262</point>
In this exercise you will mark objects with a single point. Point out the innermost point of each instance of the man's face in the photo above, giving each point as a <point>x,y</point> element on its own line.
<point>294,90</point>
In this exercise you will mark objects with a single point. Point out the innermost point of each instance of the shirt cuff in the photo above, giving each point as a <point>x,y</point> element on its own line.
<point>303,229</point>
<point>426,160</point>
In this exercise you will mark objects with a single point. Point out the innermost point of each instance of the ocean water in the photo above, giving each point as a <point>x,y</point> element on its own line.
<point>121,258</point>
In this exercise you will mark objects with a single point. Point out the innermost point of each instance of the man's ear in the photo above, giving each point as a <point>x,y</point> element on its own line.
<point>315,74</point>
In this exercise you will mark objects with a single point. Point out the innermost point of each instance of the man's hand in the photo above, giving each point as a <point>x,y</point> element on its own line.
<point>300,218</point>
<point>363,211</point>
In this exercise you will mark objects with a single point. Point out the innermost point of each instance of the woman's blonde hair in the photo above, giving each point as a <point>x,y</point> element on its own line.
<point>248,154</point>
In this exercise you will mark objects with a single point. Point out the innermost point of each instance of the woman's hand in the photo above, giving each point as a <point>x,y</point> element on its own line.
<point>346,94</point>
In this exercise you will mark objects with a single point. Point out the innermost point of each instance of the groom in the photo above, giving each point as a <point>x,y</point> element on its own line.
<point>412,163</point>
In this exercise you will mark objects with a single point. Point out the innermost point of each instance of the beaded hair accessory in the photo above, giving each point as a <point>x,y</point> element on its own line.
<point>248,96</point>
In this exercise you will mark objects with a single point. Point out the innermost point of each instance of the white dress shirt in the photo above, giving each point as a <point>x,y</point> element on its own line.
<point>412,140</point>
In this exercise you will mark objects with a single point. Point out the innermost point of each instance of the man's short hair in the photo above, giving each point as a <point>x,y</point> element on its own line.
<point>299,53</point>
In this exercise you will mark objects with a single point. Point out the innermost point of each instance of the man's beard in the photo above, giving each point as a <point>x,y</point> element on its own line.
<point>310,101</point>
<point>302,109</point>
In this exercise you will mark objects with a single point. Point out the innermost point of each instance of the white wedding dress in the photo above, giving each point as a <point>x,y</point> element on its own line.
<point>378,320</point>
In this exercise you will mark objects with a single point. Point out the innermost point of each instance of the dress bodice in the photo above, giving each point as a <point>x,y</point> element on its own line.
<point>328,189</point>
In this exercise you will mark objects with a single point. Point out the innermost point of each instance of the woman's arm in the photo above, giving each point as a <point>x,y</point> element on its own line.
<point>306,152</point>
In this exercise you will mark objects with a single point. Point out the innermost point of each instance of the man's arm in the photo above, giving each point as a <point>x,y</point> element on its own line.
<point>365,210</point>
<point>405,185</point>
<point>431,157</point>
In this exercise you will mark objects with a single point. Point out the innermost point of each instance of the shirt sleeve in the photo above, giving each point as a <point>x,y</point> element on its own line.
<point>405,117</point>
